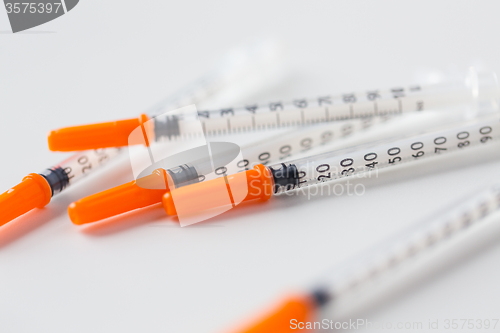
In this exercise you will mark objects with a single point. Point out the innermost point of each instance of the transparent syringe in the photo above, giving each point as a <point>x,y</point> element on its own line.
<point>263,182</point>
<point>238,72</point>
<point>145,191</point>
<point>195,167</point>
<point>379,264</point>
<point>480,90</point>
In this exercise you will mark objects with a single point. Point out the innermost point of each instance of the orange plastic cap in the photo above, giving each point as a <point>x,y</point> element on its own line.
<point>120,199</point>
<point>33,192</point>
<point>206,195</point>
<point>94,136</point>
<point>283,318</point>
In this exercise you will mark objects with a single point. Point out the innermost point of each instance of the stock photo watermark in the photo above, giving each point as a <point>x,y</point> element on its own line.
<point>24,15</point>
<point>471,324</point>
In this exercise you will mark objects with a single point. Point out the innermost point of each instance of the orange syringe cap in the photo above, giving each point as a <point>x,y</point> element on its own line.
<point>284,317</point>
<point>256,183</point>
<point>95,136</point>
<point>33,192</point>
<point>144,192</point>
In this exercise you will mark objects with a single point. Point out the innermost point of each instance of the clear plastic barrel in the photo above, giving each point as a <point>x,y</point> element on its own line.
<point>357,160</point>
<point>479,92</point>
<point>377,267</point>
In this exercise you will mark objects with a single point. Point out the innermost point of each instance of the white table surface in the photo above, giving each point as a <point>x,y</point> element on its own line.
<point>112,59</point>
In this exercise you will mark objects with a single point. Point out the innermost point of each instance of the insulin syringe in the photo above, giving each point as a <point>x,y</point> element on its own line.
<point>144,192</point>
<point>194,188</point>
<point>480,90</point>
<point>263,182</point>
<point>380,264</point>
<point>37,189</point>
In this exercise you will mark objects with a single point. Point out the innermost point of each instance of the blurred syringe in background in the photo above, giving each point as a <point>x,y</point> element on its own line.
<point>379,270</point>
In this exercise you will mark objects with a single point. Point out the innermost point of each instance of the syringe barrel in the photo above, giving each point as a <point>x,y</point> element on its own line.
<point>396,253</point>
<point>77,166</point>
<point>314,170</point>
<point>479,93</point>
<point>360,160</point>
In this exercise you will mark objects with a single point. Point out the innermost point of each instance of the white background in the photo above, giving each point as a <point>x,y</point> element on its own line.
<point>111,59</point>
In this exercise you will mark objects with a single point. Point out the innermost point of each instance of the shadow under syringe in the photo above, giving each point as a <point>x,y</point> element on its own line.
<point>132,219</point>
